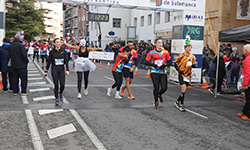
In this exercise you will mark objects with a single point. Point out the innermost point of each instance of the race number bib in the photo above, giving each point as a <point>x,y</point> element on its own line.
<point>67,50</point>
<point>158,62</point>
<point>58,62</point>
<point>81,61</point>
<point>186,79</point>
<point>45,49</point>
<point>37,47</point>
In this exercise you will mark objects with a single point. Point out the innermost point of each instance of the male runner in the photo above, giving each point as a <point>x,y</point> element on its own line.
<point>44,49</point>
<point>36,50</point>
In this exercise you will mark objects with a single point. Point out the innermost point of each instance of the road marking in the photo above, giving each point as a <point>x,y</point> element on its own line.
<point>48,111</point>
<point>59,131</point>
<point>38,90</point>
<point>33,71</point>
<point>32,75</point>
<point>196,113</point>
<point>38,83</point>
<point>30,79</point>
<point>109,78</point>
<point>44,98</point>
<point>82,123</point>
<point>36,140</point>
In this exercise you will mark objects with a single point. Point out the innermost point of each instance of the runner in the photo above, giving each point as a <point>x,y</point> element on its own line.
<point>158,59</point>
<point>75,54</point>
<point>184,64</point>
<point>117,72</point>
<point>57,59</point>
<point>128,72</point>
<point>26,45</point>
<point>83,51</point>
<point>36,51</point>
<point>43,52</point>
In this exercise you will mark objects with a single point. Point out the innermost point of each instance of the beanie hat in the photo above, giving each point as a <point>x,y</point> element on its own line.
<point>188,42</point>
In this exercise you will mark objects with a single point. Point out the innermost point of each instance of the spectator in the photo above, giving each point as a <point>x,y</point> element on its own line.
<point>19,61</point>
<point>169,48</point>
<point>206,47</point>
<point>107,49</point>
<point>226,56</point>
<point>245,115</point>
<point>5,69</point>
<point>235,57</point>
<point>225,48</point>
<point>209,56</point>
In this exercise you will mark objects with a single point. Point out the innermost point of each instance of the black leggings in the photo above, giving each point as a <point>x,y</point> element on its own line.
<point>159,79</point>
<point>118,80</point>
<point>36,54</point>
<point>79,80</point>
<point>58,73</point>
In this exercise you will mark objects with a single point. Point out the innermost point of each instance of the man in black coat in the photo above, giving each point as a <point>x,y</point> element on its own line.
<point>19,61</point>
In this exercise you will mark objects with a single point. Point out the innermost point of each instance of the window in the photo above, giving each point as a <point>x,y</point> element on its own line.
<point>116,23</point>
<point>149,19</point>
<point>167,17</point>
<point>158,18</point>
<point>142,21</point>
<point>135,22</point>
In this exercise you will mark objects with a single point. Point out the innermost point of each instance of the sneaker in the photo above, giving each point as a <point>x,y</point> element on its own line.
<point>10,91</point>
<point>182,108</point>
<point>241,115</point>
<point>15,94</point>
<point>109,91</point>
<point>79,96</point>
<point>118,97</point>
<point>56,102</point>
<point>61,97</point>
<point>24,94</point>
<point>245,118</point>
<point>5,91</point>
<point>156,105</point>
<point>42,67</point>
<point>131,97</point>
<point>177,105</point>
<point>86,92</point>
<point>211,91</point>
<point>160,99</point>
<point>122,92</point>
<point>220,94</point>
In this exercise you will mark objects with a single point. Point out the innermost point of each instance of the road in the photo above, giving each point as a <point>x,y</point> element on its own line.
<point>101,122</point>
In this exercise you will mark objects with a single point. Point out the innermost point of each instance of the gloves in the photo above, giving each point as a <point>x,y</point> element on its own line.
<point>154,65</point>
<point>181,72</point>
<point>163,67</point>
<point>194,66</point>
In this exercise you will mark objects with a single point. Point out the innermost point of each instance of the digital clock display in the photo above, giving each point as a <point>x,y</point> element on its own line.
<point>98,17</point>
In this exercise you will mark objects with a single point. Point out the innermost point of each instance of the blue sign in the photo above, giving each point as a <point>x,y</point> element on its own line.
<point>111,33</point>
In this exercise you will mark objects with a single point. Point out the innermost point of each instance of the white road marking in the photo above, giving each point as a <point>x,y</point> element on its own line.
<point>37,83</point>
<point>44,98</point>
<point>33,71</point>
<point>30,79</point>
<point>38,90</point>
<point>48,111</point>
<point>33,75</point>
<point>53,133</point>
<point>37,142</point>
<point>195,113</point>
<point>99,145</point>
<point>109,78</point>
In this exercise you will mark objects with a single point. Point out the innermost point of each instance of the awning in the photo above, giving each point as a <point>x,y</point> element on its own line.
<point>239,34</point>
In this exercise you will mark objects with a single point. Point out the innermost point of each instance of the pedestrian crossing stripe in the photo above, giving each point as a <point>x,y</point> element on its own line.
<point>59,131</point>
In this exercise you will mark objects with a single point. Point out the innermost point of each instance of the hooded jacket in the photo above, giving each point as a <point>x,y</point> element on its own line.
<point>4,58</point>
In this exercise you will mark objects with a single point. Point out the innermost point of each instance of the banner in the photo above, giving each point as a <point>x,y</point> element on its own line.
<point>101,55</point>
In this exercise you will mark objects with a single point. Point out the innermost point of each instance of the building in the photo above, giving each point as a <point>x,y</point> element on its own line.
<point>52,20</point>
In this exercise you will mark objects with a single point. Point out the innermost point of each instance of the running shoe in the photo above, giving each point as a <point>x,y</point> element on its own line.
<point>10,91</point>
<point>24,94</point>
<point>15,94</point>
<point>60,97</point>
<point>160,99</point>
<point>241,115</point>
<point>42,67</point>
<point>109,91</point>
<point>117,96</point>
<point>220,94</point>
<point>79,96</point>
<point>177,105</point>
<point>245,118</point>
<point>56,102</point>
<point>5,91</point>
<point>211,91</point>
<point>86,92</point>
<point>122,92</point>
<point>182,108</point>
<point>131,97</point>
<point>156,105</point>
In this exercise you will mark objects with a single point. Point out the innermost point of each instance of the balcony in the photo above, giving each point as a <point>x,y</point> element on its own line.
<point>49,31</point>
<point>75,26</point>
<point>68,26</point>
<point>68,16</point>
<point>75,14</point>
<point>48,15</point>
<point>47,23</point>
<point>47,7</point>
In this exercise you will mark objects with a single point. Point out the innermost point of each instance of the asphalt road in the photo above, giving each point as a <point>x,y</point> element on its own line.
<point>101,122</point>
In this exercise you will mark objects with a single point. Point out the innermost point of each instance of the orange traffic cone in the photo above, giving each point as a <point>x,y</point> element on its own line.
<point>1,82</point>
<point>100,65</point>
<point>136,71</point>
<point>94,61</point>
<point>205,85</point>
<point>108,65</point>
<point>148,75</point>
<point>189,86</point>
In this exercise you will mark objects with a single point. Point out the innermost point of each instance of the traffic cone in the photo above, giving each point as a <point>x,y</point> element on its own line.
<point>136,71</point>
<point>94,61</point>
<point>205,85</point>
<point>148,75</point>
<point>189,86</point>
<point>100,65</point>
<point>108,65</point>
<point>1,82</point>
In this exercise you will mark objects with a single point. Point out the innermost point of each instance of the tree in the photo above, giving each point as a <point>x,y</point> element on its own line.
<point>24,17</point>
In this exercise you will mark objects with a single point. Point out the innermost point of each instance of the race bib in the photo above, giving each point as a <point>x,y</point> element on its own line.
<point>81,61</point>
<point>186,79</point>
<point>37,47</point>
<point>158,62</point>
<point>58,62</point>
<point>45,49</point>
<point>68,51</point>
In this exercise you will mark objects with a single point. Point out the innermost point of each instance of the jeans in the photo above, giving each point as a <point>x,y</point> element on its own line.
<point>22,74</point>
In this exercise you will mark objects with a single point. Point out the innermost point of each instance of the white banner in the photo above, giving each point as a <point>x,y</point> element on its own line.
<point>101,55</point>
<point>195,18</point>
<point>178,46</point>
